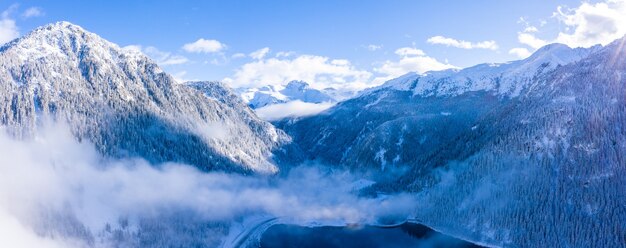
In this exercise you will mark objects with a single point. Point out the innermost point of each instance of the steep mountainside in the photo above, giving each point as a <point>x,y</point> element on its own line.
<point>507,154</point>
<point>419,113</point>
<point>545,170</point>
<point>125,104</point>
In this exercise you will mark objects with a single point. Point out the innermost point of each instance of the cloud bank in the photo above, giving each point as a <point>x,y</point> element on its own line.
<point>32,12</point>
<point>162,58</point>
<point>8,29</point>
<point>587,25</point>
<point>56,192</point>
<point>592,23</point>
<point>450,42</point>
<point>295,108</point>
<point>204,46</point>
<point>319,71</point>
<point>260,54</point>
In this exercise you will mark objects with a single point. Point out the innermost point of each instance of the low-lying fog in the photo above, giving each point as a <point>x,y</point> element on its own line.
<point>57,192</point>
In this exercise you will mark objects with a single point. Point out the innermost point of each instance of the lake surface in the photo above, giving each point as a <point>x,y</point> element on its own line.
<point>405,235</point>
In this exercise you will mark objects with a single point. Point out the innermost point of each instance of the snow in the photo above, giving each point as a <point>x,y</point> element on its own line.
<point>380,156</point>
<point>293,91</point>
<point>504,79</point>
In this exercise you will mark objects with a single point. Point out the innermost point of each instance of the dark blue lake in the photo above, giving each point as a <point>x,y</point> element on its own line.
<point>405,235</point>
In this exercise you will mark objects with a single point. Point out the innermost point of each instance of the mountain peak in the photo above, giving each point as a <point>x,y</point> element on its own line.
<point>65,39</point>
<point>62,25</point>
<point>554,49</point>
<point>556,54</point>
<point>57,29</point>
<point>104,92</point>
<point>297,84</point>
<point>505,79</point>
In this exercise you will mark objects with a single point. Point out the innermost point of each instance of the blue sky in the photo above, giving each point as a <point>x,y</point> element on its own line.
<point>351,44</point>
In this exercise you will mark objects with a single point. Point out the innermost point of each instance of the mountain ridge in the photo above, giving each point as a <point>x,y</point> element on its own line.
<point>505,79</point>
<point>125,104</point>
<point>490,163</point>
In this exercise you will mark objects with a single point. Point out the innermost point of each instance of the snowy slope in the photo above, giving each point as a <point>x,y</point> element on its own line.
<point>293,91</point>
<point>125,104</point>
<point>377,127</point>
<point>523,154</point>
<point>547,170</point>
<point>504,79</point>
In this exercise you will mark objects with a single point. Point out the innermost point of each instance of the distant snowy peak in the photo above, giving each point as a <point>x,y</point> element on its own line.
<point>299,90</point>
<point>297,86</point>
<point>504,79</point>
<point>294,90</point>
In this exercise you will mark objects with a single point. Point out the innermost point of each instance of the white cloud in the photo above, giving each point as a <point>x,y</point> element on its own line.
<point>204,46</point>
<point>59,178</point>
<point>291,109</point>
<point>32,12</point>
<point>411,60</point>
<point>323,72</point>
<point>531,40</point>
<point>259,54</point>
<point>284,54</point>
<point>15,234</point>
<point>372,47</point>
<point>320,72</point>
<point>134,48</point>
<point>8,28</point>
<point>440,40</point>
<point>409,51</point>
<point>340,62</point>
<point>238,56</point>
<point>165,58</point>
<point>587,25</point>
<point>162,58</point>
<point>181,77</point>
<point>175,60</point>
<point>531,29</point>
<point>592,24</point>
<point>520,52</point>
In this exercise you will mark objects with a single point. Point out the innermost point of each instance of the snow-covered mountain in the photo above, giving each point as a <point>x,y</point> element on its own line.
<point>413,105</point>
<point>124,103</point>
<point>528,153</point>
<point>521,154</point>
<point>504,79</point>
<point>293,91</point>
